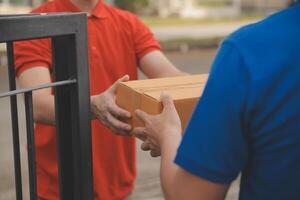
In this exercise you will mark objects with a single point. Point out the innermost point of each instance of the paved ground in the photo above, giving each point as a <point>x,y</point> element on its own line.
<point>197,31</point>
<point>147,186</point>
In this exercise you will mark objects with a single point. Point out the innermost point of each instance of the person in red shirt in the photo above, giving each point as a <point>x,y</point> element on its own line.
<point>118,43</point>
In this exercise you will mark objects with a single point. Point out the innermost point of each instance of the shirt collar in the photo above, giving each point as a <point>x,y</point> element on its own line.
<point>99,11</point>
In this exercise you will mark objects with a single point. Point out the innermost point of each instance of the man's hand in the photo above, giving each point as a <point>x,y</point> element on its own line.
<point>105,109</point>
<point>159,129</point>
<point>163,132</point>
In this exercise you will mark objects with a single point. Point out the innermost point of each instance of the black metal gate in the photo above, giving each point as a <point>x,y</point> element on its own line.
<point>72,99</point>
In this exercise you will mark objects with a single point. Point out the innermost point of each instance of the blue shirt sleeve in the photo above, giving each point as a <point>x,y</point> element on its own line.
<point>214,146</point>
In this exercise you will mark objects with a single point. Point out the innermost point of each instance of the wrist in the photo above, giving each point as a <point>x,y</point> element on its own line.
<point>172,137</point>
<point>169,148</point>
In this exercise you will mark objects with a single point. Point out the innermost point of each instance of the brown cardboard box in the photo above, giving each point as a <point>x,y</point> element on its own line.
<point>145,95</point>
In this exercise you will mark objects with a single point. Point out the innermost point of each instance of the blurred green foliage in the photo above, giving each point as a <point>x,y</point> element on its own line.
<point>214,3</point>
<point>131,5</point>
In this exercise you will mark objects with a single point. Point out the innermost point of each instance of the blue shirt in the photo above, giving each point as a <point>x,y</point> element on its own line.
<point>248,119</point>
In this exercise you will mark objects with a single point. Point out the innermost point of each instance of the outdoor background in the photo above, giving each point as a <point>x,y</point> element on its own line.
<point>190,32</point>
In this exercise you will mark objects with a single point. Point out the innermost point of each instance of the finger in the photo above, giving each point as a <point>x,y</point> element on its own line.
<point>125,78</point>
<point>118,112</point>
<point>155,150</point>
<point>106,118</point>
<point>167,101</point>
<point>155,153</point>
<point>107,124</point>
<point>102,118</point>
<point>117,124</point>
<point>139,132</point>
<point>119,132</point>
<point>142,115</point>
<point>146,146</point>
<point>152,140</point>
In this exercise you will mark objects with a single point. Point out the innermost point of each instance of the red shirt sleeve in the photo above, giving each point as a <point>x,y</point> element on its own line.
<point>144,40</point>
<point>33,53</point>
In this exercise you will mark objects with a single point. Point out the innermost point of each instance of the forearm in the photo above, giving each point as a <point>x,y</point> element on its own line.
<point>44,109</point>
<point>168,167</point>
<point>178,184</point>
<point>156,65</point>
<point>43,100</point>
<point>177,73</point>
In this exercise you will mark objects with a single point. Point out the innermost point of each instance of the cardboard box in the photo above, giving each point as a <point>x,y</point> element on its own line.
<point>145,95</point>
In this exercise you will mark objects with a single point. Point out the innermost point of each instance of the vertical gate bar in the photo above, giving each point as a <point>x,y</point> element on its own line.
<point>73,114</point>
<point>31,146</point>
<point>63,110</point>
<point>83,139</point>
<point>14,120</point>
<point>84,164</point>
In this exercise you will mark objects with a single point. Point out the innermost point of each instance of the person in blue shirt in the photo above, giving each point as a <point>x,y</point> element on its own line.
<point>247,120</point>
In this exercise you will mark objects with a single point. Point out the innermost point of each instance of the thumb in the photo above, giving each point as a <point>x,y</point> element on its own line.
<point>167,101</point>
<point>125,78</point>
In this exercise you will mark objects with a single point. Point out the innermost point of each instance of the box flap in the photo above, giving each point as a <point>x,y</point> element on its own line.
<point>182,92</point>
<point>143,86</point>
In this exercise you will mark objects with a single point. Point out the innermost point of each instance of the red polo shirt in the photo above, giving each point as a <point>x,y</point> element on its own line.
<point>116,41</point>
